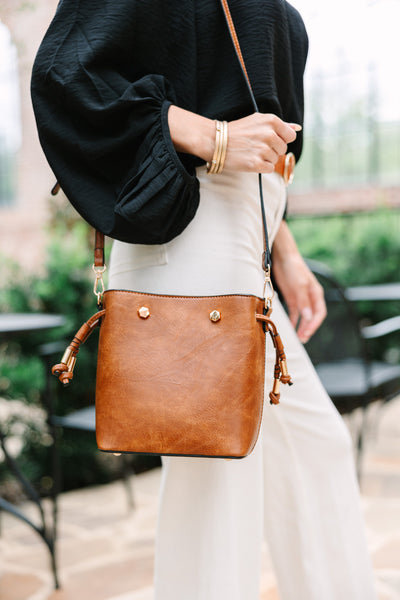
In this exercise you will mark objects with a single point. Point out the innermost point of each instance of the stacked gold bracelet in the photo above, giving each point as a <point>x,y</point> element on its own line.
<point>221,143</point>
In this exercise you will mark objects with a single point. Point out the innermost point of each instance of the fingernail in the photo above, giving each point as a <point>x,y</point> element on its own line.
<point>307,313</point>
<point>296,126</point>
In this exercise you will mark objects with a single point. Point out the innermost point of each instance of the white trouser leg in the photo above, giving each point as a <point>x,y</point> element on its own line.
<point>210,529</point>
<point>313,520</point>
<point>211,512</point>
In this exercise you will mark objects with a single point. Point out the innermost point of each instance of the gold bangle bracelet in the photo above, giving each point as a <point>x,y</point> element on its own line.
<point>220,127</point>
<point>221,142</point>
<point>224,146</point>
<point>211,166</point>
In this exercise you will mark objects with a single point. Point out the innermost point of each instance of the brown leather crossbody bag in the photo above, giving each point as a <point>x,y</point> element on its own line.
<point>179,375</point>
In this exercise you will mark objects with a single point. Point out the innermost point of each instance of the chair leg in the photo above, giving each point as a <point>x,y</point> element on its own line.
<point>56,488</point>
<point>49,400</point>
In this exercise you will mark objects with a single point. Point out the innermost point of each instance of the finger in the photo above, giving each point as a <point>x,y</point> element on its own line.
<point>306,325</point>
<point>279,147</point>
<point>319,306</point>
<point>270,155</point>
<point>307,328</point>
<point>275,144</point>
<point>284,130</point>
<point>265,166</point>
<point>312,316</point>
<point>294,314</point>
<point>300,312</point>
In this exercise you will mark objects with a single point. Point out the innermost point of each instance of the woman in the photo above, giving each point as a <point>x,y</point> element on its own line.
<point>126,95</point>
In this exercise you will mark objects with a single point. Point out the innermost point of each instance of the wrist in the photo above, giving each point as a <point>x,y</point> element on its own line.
<point>206,138</point>
<point>191,133</point>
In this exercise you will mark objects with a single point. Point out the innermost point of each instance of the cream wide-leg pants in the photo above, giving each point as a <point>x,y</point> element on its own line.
<point>298,488</point>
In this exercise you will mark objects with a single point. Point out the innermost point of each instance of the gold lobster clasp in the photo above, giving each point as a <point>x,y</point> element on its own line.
<point>98,271</point>
<point>268,295</point>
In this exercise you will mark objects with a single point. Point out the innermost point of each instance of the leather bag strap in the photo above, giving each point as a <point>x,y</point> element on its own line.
<point>235,41</point>
<point>98,249</point>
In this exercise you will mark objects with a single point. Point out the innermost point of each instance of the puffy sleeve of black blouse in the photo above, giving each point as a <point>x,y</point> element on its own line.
<point>102,122</point>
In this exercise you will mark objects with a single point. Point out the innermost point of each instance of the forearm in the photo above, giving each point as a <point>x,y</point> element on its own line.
<point>303,294</point>
<point>284,243</point>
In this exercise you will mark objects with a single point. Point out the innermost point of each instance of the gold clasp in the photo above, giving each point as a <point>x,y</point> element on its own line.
<point>268,282</point>
<point>98,271</point>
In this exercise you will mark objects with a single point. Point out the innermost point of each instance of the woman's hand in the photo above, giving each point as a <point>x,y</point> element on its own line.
<point>303,294</point>
<point>254,142</point>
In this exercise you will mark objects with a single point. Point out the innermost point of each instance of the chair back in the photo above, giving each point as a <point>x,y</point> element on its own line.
<point>338,349</point>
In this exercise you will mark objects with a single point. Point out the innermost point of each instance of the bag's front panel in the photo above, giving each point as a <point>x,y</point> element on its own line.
<point>180,375</point>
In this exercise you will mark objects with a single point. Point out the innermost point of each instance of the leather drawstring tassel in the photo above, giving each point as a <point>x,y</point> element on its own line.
<point>281,374</point>
<point>65,369</point>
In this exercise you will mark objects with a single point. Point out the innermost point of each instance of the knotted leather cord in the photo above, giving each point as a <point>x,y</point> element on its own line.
<point>238,51</point>
<point>64,370</point>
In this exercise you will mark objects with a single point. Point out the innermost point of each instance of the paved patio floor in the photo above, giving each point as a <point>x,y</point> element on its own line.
<point>106,551</point>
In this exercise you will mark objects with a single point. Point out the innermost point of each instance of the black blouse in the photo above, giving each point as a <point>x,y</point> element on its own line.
<point>105,75</point>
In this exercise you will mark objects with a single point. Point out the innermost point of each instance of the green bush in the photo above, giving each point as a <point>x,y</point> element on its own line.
<point>361,249</point>
<point>65,287</point>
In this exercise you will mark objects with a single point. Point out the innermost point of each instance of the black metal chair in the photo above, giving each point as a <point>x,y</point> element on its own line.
<point>82,420</point>
<point>339,352</point>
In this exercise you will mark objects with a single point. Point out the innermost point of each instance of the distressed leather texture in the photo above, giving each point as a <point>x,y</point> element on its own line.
<point>176,383</point>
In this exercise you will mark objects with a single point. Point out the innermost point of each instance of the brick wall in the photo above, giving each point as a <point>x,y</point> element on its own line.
<point>22,226</point>
<point>324,202</point>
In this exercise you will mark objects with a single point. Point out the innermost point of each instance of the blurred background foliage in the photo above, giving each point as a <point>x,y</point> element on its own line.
<point>362,248</point>
<point>64,287</point>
